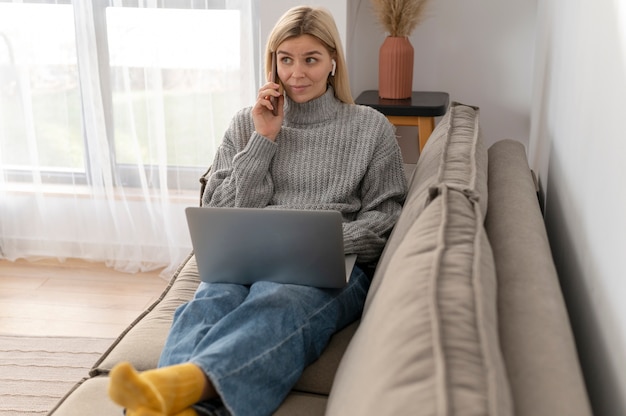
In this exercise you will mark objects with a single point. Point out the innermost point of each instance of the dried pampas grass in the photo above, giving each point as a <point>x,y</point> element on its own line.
<point>399,17</point>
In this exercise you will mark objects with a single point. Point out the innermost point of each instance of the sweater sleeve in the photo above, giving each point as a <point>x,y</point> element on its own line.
<point>383,191</point>
<point>241,177</point>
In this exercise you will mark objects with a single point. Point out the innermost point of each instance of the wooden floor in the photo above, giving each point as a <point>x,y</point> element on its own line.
<point>73,298</point>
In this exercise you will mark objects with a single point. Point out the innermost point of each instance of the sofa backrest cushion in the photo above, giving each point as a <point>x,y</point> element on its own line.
<point>454,155</point>
<point>428,343</point>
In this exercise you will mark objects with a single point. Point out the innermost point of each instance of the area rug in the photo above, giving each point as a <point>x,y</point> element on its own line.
<point>35,372</point>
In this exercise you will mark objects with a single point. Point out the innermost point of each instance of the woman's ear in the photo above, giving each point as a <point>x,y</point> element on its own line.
<point>332,73</point>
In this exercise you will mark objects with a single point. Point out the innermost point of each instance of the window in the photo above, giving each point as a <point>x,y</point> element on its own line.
<point>39,90</point>
<point>110,111</point>
<point>160,83</point>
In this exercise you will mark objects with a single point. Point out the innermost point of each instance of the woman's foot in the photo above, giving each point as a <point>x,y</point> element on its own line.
<point>167,391</point>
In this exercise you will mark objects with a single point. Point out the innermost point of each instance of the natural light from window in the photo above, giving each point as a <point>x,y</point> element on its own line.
<point>183,71</point>
<point>38,60</point>
<point>192,39</point>
<point>174,67</point>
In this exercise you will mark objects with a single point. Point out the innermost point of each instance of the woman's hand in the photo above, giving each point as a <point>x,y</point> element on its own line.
<point>265,122</point>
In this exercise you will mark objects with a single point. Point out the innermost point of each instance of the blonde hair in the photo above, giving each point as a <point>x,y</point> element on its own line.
<point>317,22</point>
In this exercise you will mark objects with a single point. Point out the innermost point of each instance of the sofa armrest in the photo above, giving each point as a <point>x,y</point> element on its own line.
<point>535,334</point>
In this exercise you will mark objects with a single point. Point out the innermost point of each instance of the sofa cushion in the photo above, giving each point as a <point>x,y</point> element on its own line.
<point>89,398</point>
<point>428,343</point>
<point>454,155</point>
<point>142,342</point>
<point>318,377</point>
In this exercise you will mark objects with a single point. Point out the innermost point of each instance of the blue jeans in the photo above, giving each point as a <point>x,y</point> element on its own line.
<point>253,342</point>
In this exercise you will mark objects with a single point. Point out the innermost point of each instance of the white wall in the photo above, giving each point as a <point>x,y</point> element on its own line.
<point>480,52</point>
<point>578,146</point>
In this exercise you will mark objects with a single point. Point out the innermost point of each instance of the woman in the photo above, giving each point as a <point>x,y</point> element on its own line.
<point>246,346</point>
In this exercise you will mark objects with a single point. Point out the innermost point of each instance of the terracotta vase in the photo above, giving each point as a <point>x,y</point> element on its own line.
<point>395,68</point>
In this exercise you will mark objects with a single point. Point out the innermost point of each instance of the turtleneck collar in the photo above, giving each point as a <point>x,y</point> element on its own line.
<point>315,111</point>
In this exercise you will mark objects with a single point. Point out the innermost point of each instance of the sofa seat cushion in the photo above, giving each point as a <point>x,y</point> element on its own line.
<point>142,342</point>
<point>428,343</point>
<point>89,398</point>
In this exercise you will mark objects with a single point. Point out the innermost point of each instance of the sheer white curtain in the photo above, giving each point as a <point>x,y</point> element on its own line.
<point>109,113</point>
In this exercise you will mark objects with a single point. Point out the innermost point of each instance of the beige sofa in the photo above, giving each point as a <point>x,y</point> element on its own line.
<point>464,317</point>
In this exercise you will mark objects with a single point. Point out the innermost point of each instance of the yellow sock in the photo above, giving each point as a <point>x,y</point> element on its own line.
<point>161,392</point>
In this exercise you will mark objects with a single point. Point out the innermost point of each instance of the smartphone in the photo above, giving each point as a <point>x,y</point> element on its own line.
<point>274,78</point>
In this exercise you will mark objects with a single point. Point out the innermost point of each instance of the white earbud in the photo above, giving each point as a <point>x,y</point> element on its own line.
<point>332,73</point>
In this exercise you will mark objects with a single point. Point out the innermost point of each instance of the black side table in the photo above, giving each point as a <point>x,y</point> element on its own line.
<point>420,110</point>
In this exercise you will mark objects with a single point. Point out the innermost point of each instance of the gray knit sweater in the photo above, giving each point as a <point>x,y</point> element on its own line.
<point>328,155</point>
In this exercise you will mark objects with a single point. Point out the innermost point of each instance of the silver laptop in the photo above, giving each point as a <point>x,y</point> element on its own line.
<point>246,245</point>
